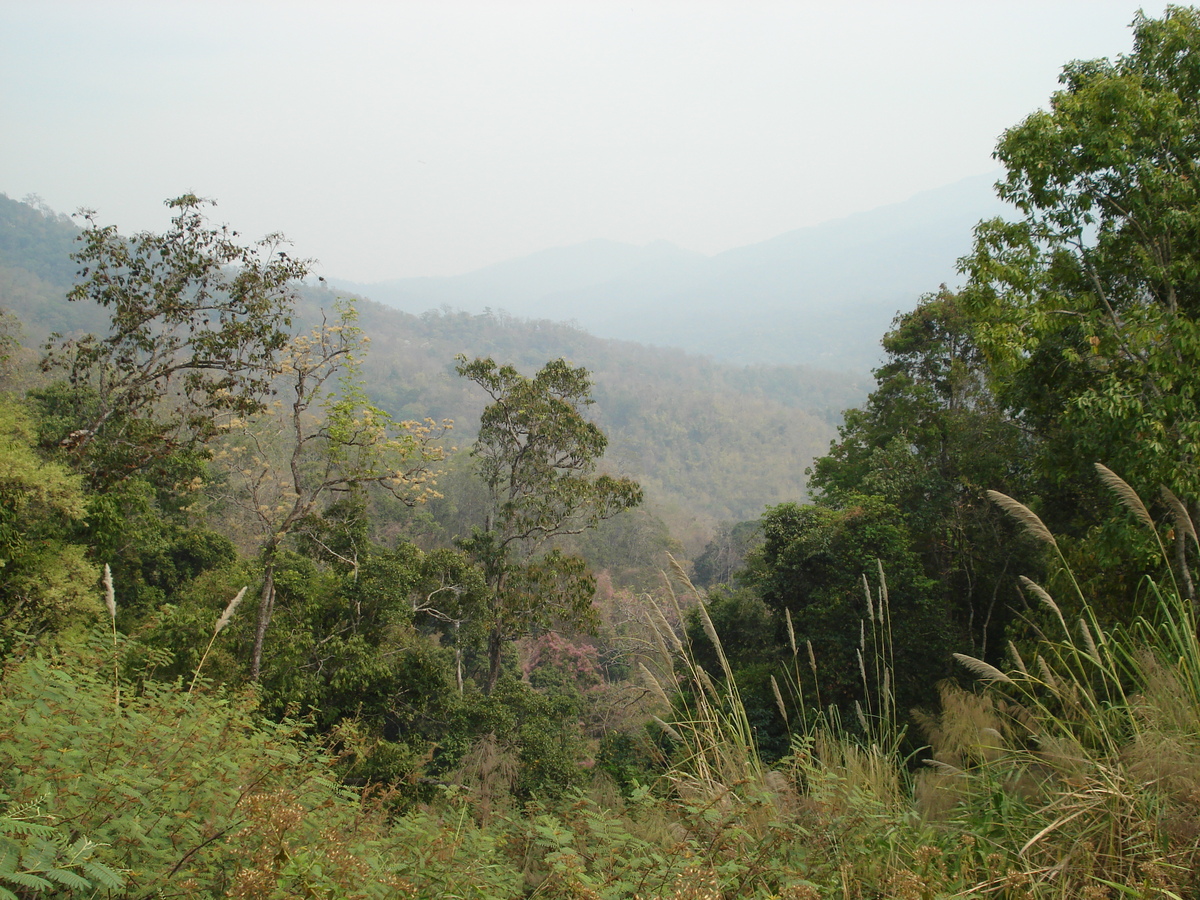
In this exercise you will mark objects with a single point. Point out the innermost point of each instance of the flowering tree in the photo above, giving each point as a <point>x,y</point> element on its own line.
<point>287,463</point>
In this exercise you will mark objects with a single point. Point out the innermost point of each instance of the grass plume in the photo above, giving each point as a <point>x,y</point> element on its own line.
<point>981,669</point>
<point>1025,516</point>
<point>222,621</point>
<point>1125,493</point>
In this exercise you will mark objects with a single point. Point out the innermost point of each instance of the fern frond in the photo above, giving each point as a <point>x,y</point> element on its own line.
<point>67,878</point>
<point>103,875</point>
<point>26,880</point>
<point>24,827</point>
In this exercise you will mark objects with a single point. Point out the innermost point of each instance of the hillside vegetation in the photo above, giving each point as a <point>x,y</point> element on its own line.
<point>269,628</point>
<point>711,442</point>
<point>820,295</point>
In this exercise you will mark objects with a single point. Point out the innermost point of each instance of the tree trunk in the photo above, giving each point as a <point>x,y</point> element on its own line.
<point>495,645</point>
<point>266,606</point>
<point>458,656</point>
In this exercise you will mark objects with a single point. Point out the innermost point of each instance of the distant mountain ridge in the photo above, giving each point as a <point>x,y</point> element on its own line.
<point>820,295</point>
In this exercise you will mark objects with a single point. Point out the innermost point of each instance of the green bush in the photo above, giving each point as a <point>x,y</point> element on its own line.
<point>190,794</point>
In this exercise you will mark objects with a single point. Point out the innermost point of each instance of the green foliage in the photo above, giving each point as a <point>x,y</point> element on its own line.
<point>537,455</point>
<point>45,578</point>
<point>154,555</point>
<point>707,441</point>
<point>283,467</point>
<point>1087,305</point>
<point>36,857</point>
<point>189,794</point>
<point>775,768</point>
<point>10,344</point>
<point>1073,757</point>
<point>633,548</point>
<point>746,625</point>
<point>930,441</point>
<point>173,638</point>
<point>714,442</point>
<point>750,641</point>
<point>543,728</point>
<point>168,467</point>
<point>196,322</point>
<point>814,566</point>
<point>630,760</point>
<point>535,450</point>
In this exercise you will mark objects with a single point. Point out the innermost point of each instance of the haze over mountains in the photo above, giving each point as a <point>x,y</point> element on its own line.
<point>709,441</point>
<point>820,296</point>
<point>790,326</point>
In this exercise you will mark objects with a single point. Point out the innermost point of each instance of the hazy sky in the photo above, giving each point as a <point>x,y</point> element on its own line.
<point>432,138</point>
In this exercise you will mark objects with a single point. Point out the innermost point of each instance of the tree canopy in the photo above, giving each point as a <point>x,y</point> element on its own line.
<point>537,455</point>
<point>196,322</point>
<point>1088,304</point>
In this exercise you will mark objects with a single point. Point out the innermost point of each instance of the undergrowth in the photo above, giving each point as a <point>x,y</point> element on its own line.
<point>1072,773</point>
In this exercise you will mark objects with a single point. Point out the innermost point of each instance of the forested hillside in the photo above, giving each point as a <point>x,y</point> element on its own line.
<point>711,442</point>
<point>269,627</point>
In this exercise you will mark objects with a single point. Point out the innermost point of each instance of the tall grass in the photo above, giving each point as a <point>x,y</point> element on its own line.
<point>829,820</point>
<point>1074,773</point>
<point>720,759</point>
<point>1082,773</point>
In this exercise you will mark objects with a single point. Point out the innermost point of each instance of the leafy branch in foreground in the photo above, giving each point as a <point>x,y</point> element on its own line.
<point>36,857</point>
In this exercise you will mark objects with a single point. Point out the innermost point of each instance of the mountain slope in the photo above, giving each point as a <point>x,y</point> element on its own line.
<point>710,441</point>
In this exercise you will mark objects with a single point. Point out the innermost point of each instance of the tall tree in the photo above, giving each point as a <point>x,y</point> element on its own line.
<point>931,440</point>
<point>287,463</point>
<point>197,320</point>
<point>1088,305</point>
<point>537,455</point>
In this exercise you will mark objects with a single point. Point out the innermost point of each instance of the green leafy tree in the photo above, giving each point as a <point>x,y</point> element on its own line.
<point>931,440</point>
<point>1088,305</point>
<point>46,580</point>
<point>813,566</point>
<point>196,323</point>
<point>537,454</point>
